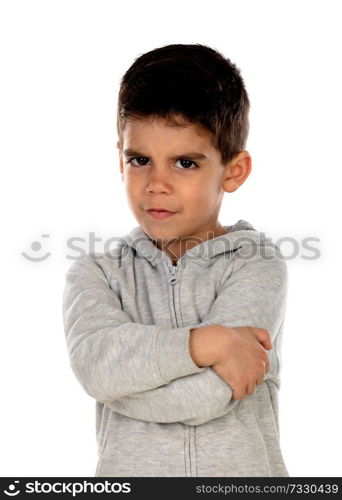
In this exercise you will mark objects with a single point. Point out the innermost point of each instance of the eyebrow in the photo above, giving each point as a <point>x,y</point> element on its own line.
<point>191,155</point>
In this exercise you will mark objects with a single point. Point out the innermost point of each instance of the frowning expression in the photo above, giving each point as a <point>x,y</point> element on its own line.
<point>176,169</point>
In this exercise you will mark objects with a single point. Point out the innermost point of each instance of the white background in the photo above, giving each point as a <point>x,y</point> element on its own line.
<point>61,63</point>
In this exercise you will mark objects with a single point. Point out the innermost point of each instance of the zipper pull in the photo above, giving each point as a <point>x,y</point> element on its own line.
<point>173,278</point>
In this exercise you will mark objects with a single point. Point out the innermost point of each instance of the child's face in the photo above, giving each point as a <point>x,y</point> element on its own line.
<point>160,172</point>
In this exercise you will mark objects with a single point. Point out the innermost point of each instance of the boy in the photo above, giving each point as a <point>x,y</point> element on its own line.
<point>176,333</point>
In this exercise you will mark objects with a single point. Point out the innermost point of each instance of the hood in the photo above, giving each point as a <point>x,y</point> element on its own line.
<point>239,234</point>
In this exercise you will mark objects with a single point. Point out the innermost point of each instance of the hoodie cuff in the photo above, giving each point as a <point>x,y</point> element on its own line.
<point>173,353</point>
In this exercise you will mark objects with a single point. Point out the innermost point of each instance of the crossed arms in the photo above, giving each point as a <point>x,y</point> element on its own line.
<point>146,371</point>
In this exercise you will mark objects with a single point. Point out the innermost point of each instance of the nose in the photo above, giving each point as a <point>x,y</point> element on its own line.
<point>158,181</point>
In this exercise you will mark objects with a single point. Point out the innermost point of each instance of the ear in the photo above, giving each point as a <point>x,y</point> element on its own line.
<point>237,171</point>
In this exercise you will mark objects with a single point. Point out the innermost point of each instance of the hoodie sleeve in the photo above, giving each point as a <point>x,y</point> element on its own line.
<point>254,294</point>
<point>110,355</point>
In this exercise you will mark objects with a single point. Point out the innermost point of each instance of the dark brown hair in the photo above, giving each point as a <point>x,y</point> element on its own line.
<point>195,82</point>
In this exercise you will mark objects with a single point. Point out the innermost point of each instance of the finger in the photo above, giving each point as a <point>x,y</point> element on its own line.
<point>266,366</point>
<point>267,363</point>
<point>259,380</point>
<point>251,388</point>
<point>267,344</point>
<point>239,393</point>
<point>265,359</point>
<point>263,336</point>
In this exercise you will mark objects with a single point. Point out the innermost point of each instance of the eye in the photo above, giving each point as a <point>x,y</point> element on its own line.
<point>137,158</point>
<point>143,159</point>
<point>187,163</point>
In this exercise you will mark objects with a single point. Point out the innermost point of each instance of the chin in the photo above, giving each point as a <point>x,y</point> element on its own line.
<point>164,234</point>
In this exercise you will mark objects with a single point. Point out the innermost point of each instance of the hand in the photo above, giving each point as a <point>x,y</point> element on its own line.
<point>243,361</point>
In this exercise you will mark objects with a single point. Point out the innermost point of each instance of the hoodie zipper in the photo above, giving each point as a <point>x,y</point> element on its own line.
<point>173,281</point>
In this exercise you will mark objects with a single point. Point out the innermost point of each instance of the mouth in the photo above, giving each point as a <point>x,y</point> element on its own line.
<point>160,214</point>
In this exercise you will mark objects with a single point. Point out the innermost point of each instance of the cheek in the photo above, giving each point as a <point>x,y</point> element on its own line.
<point>132,185</point>
<point>202,193</point>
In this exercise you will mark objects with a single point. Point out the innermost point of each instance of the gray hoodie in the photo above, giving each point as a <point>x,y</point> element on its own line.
<point>127,318</point>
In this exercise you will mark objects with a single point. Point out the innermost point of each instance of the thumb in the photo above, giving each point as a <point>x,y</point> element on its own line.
<point>264,338</point>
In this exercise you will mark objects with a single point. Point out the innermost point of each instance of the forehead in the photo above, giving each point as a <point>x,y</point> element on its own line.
<point>156,132</point>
